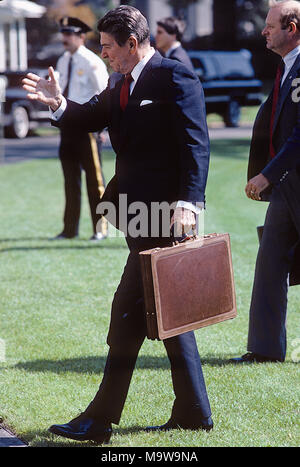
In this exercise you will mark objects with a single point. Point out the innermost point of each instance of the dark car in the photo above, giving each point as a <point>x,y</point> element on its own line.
<point>228,81</point>
<point>19,114</point>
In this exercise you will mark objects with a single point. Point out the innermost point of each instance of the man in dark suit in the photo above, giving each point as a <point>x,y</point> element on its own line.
<point>168,40</point>
<point>147,95</point>
<point>274,176</point>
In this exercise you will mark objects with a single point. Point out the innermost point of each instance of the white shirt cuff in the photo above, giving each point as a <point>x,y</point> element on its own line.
<point>192,207</point>
<point>58,113</point>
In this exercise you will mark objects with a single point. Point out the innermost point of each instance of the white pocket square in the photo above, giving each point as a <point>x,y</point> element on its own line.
<point>145,102</point>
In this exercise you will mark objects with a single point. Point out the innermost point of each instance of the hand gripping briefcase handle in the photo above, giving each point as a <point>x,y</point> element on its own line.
<point>192,235</point>
<point>188,285</point>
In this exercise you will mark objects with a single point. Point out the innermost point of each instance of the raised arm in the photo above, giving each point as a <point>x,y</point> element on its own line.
<point>91,116</point>
<point>46,91</point>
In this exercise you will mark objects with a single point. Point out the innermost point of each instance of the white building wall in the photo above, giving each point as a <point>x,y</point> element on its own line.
<point>13,37</point>
<point>13,46</point>
<point>2,49</point>
<point>199,18</point>
<point>23,45</point>
<point>158,9</point>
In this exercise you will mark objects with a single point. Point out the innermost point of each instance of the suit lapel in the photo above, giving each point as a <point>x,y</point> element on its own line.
<point>142,82</point>
<point>117,111</point>
<point>139,92</point>
<point>285,89</point>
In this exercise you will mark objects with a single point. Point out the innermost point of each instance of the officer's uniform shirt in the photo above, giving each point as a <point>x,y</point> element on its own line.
<point>89,75</point>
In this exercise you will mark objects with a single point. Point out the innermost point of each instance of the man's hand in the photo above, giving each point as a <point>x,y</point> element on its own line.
<point>47,92</point>
<point>255,186</point>
<point>184,220</point>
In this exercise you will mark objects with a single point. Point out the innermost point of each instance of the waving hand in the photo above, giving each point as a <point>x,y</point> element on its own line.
<point>47,92</point>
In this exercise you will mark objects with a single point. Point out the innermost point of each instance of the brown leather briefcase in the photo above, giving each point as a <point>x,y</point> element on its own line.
<point>188,286</point>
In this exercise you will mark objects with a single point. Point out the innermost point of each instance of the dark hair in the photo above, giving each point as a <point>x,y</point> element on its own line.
<point>123,22</point>
<point>287,19</point>
<point>173,26</point>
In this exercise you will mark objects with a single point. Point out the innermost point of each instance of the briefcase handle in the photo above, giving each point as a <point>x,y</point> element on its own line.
<point>185,237</point>
<point>191,237</point>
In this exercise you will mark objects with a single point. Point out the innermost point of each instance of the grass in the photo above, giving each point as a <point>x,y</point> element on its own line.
<point>248,115</point>
<point>55,304</point>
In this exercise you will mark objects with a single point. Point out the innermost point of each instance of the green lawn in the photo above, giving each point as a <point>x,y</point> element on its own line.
<point>55,305</point>
<point>248,115</point>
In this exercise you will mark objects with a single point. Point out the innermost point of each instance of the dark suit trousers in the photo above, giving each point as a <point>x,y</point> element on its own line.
<point>267,324</point>
<point>126,335</point>
<point>77,153</point>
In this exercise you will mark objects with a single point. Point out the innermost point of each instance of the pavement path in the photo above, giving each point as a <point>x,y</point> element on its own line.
<point>46,147</point>
<point>9,440</point>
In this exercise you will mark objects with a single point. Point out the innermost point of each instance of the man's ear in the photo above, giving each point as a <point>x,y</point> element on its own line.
<point>133,44</point>
<point>292,27</point>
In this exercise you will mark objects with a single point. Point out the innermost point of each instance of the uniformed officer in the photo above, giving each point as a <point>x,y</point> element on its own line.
<point>82,74</point>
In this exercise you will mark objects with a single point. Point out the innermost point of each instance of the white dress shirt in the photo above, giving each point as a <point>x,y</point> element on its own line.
<point>136,72</point>
<point>289,61</point>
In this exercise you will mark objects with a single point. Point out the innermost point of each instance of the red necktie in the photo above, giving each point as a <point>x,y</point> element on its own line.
<point>274,104</point>
<point>124,95</point>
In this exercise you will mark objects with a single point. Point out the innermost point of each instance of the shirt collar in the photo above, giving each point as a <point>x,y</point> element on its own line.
<point>174,47</point>
<point>290,58</point>
<point>136,72</point>
<point>79,51</point>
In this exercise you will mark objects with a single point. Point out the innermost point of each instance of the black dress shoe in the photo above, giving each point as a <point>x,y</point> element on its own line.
<point>251,357</point>
<point>84,428</point>
<point>206,425</point>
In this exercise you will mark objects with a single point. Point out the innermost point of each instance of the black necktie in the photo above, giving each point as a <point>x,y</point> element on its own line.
<point>66,91</point>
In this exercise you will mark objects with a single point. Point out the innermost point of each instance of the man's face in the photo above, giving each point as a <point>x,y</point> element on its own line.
<point>164,40</point>
<point>71,41</point>
<point>277,38</point>
<point>120,58</point>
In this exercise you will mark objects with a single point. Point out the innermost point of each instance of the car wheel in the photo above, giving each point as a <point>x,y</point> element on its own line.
<point>20,123</point>
<point>233,114</point>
